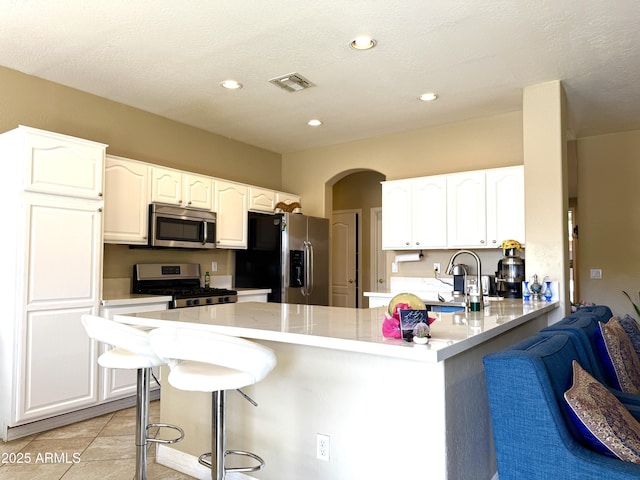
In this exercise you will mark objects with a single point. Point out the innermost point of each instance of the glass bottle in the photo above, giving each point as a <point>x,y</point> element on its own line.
<point>547,291</point>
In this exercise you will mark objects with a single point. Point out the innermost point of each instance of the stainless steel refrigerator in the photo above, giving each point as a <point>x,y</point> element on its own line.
<point>288,253</point>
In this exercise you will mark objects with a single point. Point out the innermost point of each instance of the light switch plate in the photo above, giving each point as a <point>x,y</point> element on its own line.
<point>596,274</point>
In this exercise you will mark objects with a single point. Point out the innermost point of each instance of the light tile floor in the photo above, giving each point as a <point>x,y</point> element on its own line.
<point>101,448</point>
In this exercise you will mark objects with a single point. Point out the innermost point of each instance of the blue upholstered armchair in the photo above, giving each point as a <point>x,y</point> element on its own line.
<point>534,438</point>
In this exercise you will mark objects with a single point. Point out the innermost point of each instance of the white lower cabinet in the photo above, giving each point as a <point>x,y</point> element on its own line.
<point>119,383</point>
<point>59,374</point>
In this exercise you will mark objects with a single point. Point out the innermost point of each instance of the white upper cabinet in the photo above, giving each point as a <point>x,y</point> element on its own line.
<point>126,201</point>
<point>59,164</point>
<point>183,189</point>
<point>505,205</point>
<point>262,200</point>
<point>231,214</point>
<point>477,209</point>
<point>166,186</point>
<point>397,223</point>
<point>198,191</point>
<point>414,213</point>
<point>466,217</point>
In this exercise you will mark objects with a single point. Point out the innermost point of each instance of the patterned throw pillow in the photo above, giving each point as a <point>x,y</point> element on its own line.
<point>633,330</point>
<point>619,359</point>
<point>601,419</point>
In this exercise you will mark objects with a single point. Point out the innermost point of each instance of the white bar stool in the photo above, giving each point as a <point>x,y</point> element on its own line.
<point>204,361</point>
<point>132,351</point>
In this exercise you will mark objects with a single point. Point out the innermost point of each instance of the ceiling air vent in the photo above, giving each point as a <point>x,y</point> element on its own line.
<point>292,82</point>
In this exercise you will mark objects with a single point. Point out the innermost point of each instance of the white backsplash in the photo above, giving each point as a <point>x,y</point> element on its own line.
<point>425,287</point>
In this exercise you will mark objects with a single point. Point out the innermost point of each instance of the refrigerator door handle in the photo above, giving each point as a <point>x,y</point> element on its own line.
<point>308,259</point>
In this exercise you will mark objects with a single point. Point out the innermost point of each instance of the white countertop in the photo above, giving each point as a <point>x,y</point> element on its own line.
<point>350,329</point>
<point>133,299</point>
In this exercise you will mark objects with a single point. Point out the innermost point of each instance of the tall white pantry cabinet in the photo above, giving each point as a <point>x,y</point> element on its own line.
<point>52,243</point>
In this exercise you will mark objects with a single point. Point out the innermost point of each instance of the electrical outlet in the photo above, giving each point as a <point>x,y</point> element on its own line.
<point>436,268</point>
<point>214,266</point>
<point>323,447</point>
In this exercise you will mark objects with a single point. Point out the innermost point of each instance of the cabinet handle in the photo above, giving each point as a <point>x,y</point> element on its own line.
<point>99,210</point>
<point>407,243</point>
<point>189,202</point>
<point>417,243</point>
<point>495,241</point>
<point>482,242</point>
<point>99,194</point>
<point>380,280</point>
<point>350,280</point>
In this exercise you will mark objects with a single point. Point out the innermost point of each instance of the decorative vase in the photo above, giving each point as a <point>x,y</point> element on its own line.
<point>526,293</point>
<point>547,292</point>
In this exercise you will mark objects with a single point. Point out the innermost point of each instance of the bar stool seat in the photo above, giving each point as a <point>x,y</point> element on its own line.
<point>204,361</point>
<point>131,351</point>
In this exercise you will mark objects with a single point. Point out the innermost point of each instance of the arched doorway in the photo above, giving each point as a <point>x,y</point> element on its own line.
<point>356,200</point>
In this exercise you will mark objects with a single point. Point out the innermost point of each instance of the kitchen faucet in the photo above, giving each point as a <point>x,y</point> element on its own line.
<point>449,271</point>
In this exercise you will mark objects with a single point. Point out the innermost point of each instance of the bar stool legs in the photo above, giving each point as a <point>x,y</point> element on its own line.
<point>143,425</point>
<point>218,442</point>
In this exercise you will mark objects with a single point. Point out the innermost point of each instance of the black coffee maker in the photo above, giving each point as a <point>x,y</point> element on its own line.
<point>510,274</point>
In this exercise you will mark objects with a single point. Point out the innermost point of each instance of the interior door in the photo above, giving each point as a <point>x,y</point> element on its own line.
<point>378,255</point>
<point>344,279</point>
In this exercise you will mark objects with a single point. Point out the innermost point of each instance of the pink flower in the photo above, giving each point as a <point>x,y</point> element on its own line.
<point>391,327</point>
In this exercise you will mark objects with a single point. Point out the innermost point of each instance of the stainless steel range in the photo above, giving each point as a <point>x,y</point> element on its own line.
<point>181,281</point>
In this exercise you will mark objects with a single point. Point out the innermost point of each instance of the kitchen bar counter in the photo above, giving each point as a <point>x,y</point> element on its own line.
<point>392,409</point>
<point>355,330</point>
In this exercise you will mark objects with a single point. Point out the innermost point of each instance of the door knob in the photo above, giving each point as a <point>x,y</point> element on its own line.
<point>380,280</point>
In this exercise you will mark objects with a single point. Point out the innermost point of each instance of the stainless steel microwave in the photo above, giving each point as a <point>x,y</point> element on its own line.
<point>181,227</point>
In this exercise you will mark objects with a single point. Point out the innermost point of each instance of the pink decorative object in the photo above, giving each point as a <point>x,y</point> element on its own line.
<point>391,327</point>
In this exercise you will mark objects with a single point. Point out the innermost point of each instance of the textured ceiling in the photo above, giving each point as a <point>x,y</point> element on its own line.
<point>168,57</point>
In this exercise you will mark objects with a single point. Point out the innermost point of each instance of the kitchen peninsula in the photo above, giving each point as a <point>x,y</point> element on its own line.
<point>392,409</point>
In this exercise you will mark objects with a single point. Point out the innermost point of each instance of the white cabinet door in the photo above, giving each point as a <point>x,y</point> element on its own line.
<point>397,215</point>
<point>64,252</point>
<point>198,191</point>
<point>166,186</point>
<point>505,205</point>
<point>59,373</point>
<point>126,201</point>
<point>466,210</point>
<point>262,200</point>
<point>56,368</point>
<point>414,213</point>
<point>429,212</point>
<point>231,214</point>
<point>61,165</point>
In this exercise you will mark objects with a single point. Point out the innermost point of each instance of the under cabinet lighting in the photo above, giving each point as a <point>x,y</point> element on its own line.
<point>314,122</point>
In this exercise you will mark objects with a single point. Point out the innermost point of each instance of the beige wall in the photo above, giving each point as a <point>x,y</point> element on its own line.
<point>609,209</point>
<point>132,133</point>
<point>483,143</point>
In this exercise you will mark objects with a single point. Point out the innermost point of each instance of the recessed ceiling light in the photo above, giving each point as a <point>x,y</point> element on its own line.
<point>363,43</point>
<point>231,85</point>
<point>428,97</point>
<point>314,122</point>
